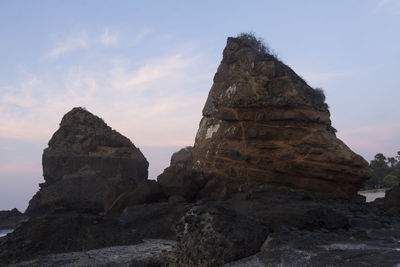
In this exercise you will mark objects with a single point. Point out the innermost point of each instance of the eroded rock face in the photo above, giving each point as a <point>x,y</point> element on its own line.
<point>148,191</point>
<point>84,159</point>
<point>213,234</point>
<point>9,219</point>
<point>264,126</point>
<point>392,201</point>
<point>177,183</point>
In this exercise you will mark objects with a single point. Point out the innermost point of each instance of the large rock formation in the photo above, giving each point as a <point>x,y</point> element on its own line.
<point>263,125</point>
<point>264,141</point>
<point>84,160</point>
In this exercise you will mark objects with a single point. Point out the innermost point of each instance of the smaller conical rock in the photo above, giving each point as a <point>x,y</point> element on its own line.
<point>84,159</point>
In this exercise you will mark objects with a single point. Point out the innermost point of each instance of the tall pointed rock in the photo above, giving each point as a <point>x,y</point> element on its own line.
<point>264,126</point>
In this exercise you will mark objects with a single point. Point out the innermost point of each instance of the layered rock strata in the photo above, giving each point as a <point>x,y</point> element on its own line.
<point>84,159</point>
<point>264,126</point>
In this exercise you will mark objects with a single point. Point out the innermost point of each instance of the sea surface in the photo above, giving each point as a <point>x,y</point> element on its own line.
<point>371,196</point>
<point>4,232</point>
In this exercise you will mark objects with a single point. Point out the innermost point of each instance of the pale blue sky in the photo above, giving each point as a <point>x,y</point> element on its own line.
<point>146,67</point>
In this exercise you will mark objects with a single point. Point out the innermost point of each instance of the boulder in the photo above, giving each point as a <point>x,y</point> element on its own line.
<point>214,234</point>
<point>392,201</point>
<point>143,192</point>
<point>63,231</point>
<point>182,157</point>
<point>153,220</point>
<point>264,126</point>
<point>176,180</point>
<point>83,160</point>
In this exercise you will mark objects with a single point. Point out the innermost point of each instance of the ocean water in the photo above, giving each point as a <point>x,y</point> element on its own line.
<point>4,232</point>
<point>371,196</point>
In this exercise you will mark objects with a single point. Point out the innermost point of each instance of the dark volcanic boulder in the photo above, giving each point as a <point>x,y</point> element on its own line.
<point>264,126</point>
<point>84,159</point>
<point>213,234</point>
<point>153,220</point>
<point>176,181</point>
<point>392,201</point>
<point>143,192</point>
<point>62,231</point>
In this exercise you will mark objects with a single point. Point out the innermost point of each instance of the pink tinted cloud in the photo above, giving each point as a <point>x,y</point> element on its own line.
<point>372,139</point>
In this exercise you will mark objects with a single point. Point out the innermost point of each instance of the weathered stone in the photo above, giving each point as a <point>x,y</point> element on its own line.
<point>182,157</point>
<point>9,219</point>
<point>263,125</point>
<point>148,253</point>
<point>392,201</point>
<point>63,231</point>
<point>176,199</point>
<point>213,234</point>
<point>115,191</point>
<point>85,157</point>
<point>304,248</point>
<point>154,220</point>
<point>177,180</point>
<point>144,192</point>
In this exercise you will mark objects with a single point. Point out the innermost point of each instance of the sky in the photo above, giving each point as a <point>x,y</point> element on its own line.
<point>146,68</point>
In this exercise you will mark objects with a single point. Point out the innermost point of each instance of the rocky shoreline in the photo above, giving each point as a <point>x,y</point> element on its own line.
<point>267,183</point>
<point>10,219</point>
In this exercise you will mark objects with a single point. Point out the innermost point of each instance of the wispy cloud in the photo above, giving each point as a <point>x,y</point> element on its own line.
<point>22,94</point>
<point>156,103</point>
<point>139,79</point>
<point>318,77</point>
<point>393,4</point>
<point>141,35</point>
<point>69,44</point>
<point>384,135</point>
<point>107,38</point>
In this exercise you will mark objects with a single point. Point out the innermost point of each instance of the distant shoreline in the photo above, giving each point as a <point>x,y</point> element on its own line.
<point>374,190</point>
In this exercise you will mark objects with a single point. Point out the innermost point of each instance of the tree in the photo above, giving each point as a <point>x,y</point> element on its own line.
<point>379,169</point>
<point>384,170</point>
<point>392,161</point>
<point>390,180</point>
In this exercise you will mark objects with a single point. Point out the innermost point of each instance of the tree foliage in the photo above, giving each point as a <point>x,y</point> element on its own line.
<point>254,41</point>
<point>385,171</point>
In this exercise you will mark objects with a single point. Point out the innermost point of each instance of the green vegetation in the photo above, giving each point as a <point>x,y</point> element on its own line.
<point>385,171</point>
<point>320,94</point>
<point>254,41</point>
<point>318,99</point>
<point>257,43</point>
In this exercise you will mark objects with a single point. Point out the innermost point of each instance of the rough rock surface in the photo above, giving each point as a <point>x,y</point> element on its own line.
<point>148,191</point>
<point>249,191</point>
<point>83,160</point>
<point>316,248</point>
<point>148,253</point>
<point>392,201</point>
<point>9,219</point>
<point>213,234</point>
<point>63,231</point>
<point>263,125</point>
<point>176,181</point>
<point>155,220</point>
<point>71,231</point>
